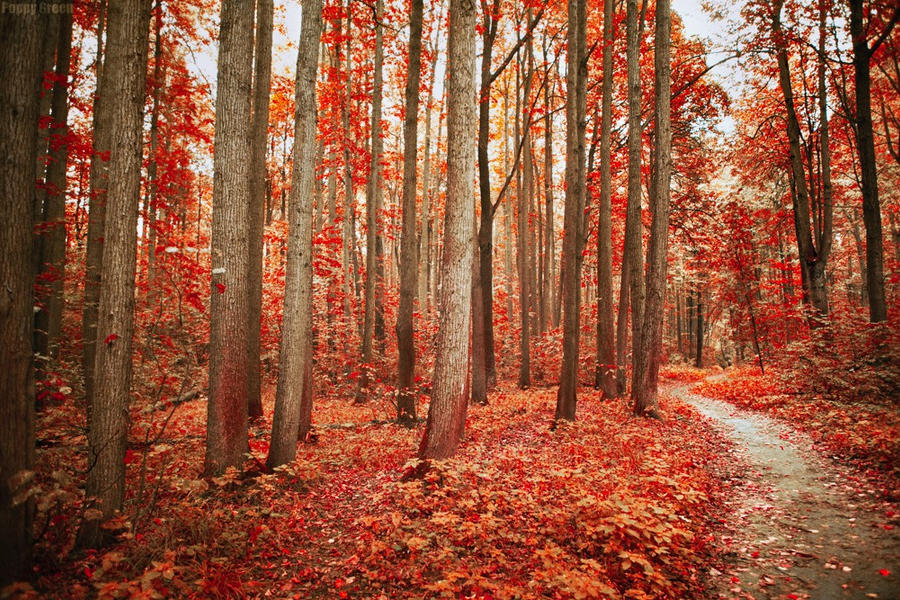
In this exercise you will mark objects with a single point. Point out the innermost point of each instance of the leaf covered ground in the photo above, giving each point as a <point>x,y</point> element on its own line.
<point>610,506</point>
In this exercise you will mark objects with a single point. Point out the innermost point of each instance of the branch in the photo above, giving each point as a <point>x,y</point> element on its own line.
<point>515,48</point>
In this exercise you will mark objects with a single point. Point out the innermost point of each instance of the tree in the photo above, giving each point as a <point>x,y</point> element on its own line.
<point>373,193</point>
<point>447,412</point>
<point>226,428</point>
<point>649,352</point>
<point>813,250</point>
<point>20,74</point>
<point>574,208</point>
<point>293,403</point>
<point>259,137</point>
<point>406,361</point>
<point>53,250</point>
<point>604,377</point>
<point>862,54</point>
<point>632,260</point>
<point>124,75</point>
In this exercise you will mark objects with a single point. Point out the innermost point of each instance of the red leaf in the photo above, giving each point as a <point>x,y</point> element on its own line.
<point>129,456</point>
<point>884,572</point>
<point>110,338</point>
<point>220,287</point>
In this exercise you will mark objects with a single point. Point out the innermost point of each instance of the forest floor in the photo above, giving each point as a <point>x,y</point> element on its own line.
<point>610,506</point>
<point>802,525</point>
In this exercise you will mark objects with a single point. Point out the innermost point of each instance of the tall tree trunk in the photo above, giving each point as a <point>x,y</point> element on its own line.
<point>813,259</point>
<point>226,429</point>
<point>446,415</point>
<point>522,251</point>
<point>424,254</point>
<point>373,190</point>
<point>259,134</point>
<point>698,359</point>
<point>605,378</point>
<point>293,399</point>
<point>151,200</point>
<point>633,227</point>
<point>406,349</point>
<point>99,180</point>
<point>349,201</point>
<point>650,349</point>
<point>124,77</point>
<point>571,273</point>
<point>862,54</point>
<point>20,76</point>
<point>53,263</point>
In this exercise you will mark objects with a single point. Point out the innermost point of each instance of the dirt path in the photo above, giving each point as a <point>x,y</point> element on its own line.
<point>802,526</point>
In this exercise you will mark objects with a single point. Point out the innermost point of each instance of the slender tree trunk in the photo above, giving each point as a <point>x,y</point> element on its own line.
<point>259,134</point>
<point>425,233</point>
<point>54,247</point>
<point>226,430</point>
<point>101,127</point>
<point>698,359</point>
<point>604,378</point>
<point>406,349</point>
<point>446,415</point>
<point>633,226</point>
<point>650,348</point>
<point>372,190</point>
<point>293,399</point>
<point>813,259</point>
<point>124,76</point>
<point>20,77</point>
<point>862,54</point>
<point>151,200</point>
<point>575,75</point>
<point>478,391</point>
<point>349,204</point>
<point>522,254</point>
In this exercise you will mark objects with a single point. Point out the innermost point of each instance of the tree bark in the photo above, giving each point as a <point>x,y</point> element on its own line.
<point>446,415</point>
<point>226,430</point>
<point>124,76</point>
<point>372,190</point>
<point>406,349</point>
<point>650,348</point>
<point>633,226</point>
<point>259,134</point>
<point>574,207</point>
<point>293,399</point>
<point>20,76</point>
<point>605,378</point>
<point>862,54</point>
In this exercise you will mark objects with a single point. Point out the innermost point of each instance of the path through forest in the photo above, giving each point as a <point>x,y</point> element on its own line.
<point>801,526</point>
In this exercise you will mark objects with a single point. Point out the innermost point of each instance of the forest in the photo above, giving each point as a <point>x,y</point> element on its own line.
<point>450,299</point>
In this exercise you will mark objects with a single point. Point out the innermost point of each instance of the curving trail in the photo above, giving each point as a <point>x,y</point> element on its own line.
<point>800,526</point>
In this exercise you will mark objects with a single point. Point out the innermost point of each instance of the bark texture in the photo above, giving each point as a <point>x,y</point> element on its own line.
<point>446,415</point>
<point>259,136</point>
<point>226,428</point>
<point>650,349</point>
<point>406,360</point>
<point>20,71</point>
<point>293,401</point>
<point>124,76</point>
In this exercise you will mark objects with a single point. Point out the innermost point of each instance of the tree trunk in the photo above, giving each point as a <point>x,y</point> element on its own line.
<point>813,259</point>
<point>522,252</point>
<point>372,190</point>
<point>20,76</point>
<point>124,77</point>
<point>349,204</point>
<point>650,348</point>
<point>99,180</point>
<point>633,226</point>
<point>406,349</point>
<point>574,207</point>
<point>259,134</point>
<point>862,53</point>
<point>293,399</point>
<point>226,430</point>
<point>604,378</point>
<point>151,199</point>
<point>698,359</point>
<point>53,263</point>
<point>446,415</point>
